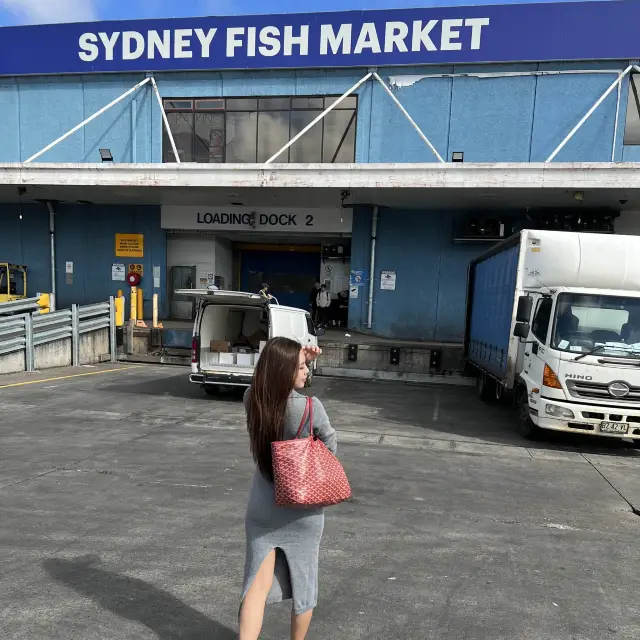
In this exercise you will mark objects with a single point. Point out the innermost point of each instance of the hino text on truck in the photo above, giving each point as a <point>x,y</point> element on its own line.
<point>553,320</point>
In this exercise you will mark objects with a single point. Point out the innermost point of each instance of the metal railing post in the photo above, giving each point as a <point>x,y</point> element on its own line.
<point>87,120</point>
<point>589,113</point>
<point>315,121</point>
<point>112,330</point>
<point>165,120</point>
<point>75,335</point>
<point>30,352</point>
<point>412,122</point>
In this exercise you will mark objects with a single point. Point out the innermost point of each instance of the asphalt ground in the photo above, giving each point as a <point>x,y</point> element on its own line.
<point>122,495</point>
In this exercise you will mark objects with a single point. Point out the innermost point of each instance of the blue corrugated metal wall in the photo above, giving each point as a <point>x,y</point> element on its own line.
<point>85,235</point>
<point>431,270</point>
<point>490,119</point>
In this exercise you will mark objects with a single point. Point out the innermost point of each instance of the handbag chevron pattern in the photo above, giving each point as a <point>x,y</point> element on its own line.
<point>306,473</point>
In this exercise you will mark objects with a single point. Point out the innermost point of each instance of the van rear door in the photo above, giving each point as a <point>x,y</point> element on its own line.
<point>289,323</point>
<point>224,297</point>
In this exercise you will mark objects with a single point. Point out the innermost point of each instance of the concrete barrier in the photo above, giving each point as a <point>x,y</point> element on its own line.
<point>80,336</point>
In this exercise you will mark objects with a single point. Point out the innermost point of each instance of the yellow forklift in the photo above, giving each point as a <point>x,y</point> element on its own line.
<point>13,282</point>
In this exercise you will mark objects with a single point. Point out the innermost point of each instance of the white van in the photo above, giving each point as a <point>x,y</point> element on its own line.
<point>230,330</point>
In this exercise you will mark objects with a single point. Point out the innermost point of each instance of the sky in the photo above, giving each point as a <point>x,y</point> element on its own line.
<point>17,12</point>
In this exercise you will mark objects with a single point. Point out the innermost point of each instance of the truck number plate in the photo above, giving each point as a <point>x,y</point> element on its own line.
<point>613,427</point>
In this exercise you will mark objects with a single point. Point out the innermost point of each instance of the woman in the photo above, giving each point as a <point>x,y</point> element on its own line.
<point>282,543</point>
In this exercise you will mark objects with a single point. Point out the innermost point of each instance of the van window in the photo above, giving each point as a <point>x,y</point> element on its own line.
<point>310,328</point>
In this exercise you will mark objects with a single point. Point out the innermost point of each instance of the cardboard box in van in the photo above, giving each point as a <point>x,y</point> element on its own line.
<point>221,346</point>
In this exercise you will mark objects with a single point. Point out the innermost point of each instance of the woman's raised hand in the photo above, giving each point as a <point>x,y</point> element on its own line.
<point>311,352</point>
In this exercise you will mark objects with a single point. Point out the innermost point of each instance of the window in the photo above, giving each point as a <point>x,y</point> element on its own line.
<point>540,327</point>
<point>609,324</point>
<point>310,328</point>
<point>632,126</point>
<point>252,130</point>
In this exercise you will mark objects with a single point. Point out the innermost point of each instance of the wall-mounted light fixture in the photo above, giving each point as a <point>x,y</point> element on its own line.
<point>105,155</point>
<point>457,156</point>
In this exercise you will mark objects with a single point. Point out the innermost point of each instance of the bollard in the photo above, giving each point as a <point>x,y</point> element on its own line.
<point>119,305</point>
<point>134,304</point>
<point>155,310</point>
<point>140,306</point>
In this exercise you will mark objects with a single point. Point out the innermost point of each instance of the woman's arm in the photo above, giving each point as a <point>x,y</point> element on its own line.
<point>326,432</point>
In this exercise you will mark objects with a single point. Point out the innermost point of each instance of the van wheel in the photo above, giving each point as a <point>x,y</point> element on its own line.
<point>212,390</point>
<point>526,427</point>
<point>485,387</point>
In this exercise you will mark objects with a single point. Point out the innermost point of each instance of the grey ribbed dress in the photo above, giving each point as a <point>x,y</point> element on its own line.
<point>294,533</point>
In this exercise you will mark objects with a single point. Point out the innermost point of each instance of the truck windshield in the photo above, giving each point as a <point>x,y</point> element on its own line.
<point>610,324</point>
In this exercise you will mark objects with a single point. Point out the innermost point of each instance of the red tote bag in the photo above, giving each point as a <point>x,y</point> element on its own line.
<point>306,473</point>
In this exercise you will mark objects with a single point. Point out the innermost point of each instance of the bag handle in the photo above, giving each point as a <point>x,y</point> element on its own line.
<point>308,411</point>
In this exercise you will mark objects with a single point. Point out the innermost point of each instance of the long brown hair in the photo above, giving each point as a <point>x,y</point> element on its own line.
<point>267,399</point>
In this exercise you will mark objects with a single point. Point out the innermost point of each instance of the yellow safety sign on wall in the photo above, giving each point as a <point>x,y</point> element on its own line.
<point>129,245</point>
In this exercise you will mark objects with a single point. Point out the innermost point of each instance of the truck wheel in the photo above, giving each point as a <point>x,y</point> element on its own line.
<point>485,388</point>
<point>526,427</point>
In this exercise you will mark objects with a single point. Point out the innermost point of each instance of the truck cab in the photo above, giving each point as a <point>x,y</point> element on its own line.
<point>580,362</point>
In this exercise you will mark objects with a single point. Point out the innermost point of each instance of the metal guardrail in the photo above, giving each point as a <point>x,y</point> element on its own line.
<point>29,330</point>
<point>26,305</point>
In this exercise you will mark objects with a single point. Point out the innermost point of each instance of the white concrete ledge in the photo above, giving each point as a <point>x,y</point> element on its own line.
<point>577,176</point>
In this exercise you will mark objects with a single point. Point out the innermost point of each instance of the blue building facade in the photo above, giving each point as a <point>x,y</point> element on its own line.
<point>515,112</point>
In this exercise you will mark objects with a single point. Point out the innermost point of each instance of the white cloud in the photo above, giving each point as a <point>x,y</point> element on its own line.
<point>47,11</point>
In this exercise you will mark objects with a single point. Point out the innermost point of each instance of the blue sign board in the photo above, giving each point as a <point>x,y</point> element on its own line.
<point>357,278</point>
<point>441,35</point>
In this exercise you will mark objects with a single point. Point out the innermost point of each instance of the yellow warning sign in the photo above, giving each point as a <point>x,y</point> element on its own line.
<point>129,245</point>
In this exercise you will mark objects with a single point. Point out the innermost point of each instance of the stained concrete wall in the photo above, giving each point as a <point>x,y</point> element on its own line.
<point>12,363</point>
<point>94,346</point>
<point>54,354</point>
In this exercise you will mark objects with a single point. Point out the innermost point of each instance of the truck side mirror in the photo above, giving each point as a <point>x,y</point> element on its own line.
<point>525,304</point>
<point>320,331</point>
<point>521,330</point>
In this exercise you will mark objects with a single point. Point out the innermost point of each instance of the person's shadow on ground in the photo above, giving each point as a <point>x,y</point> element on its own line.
<point>136,600</point>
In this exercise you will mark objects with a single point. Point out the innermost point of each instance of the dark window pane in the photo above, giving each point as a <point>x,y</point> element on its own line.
<point>540,326</point>
<point>350,102</point>
<point>309,147</point>
<point>209,105</point>
<point>273,134</point>
<point>241,137</point>
<point>182,129</point>
<point>179,104</point>
<point>307,103</point>
<point>209,137</point>
<point>274,104</point>
<point>242,104</point>
<point>632,127</point>
<point>339,137</point>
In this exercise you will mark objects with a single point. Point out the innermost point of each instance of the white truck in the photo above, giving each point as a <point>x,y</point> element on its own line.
<point>553,321</point>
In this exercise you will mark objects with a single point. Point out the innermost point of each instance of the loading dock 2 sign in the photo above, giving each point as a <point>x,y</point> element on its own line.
<point>263,219</point>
